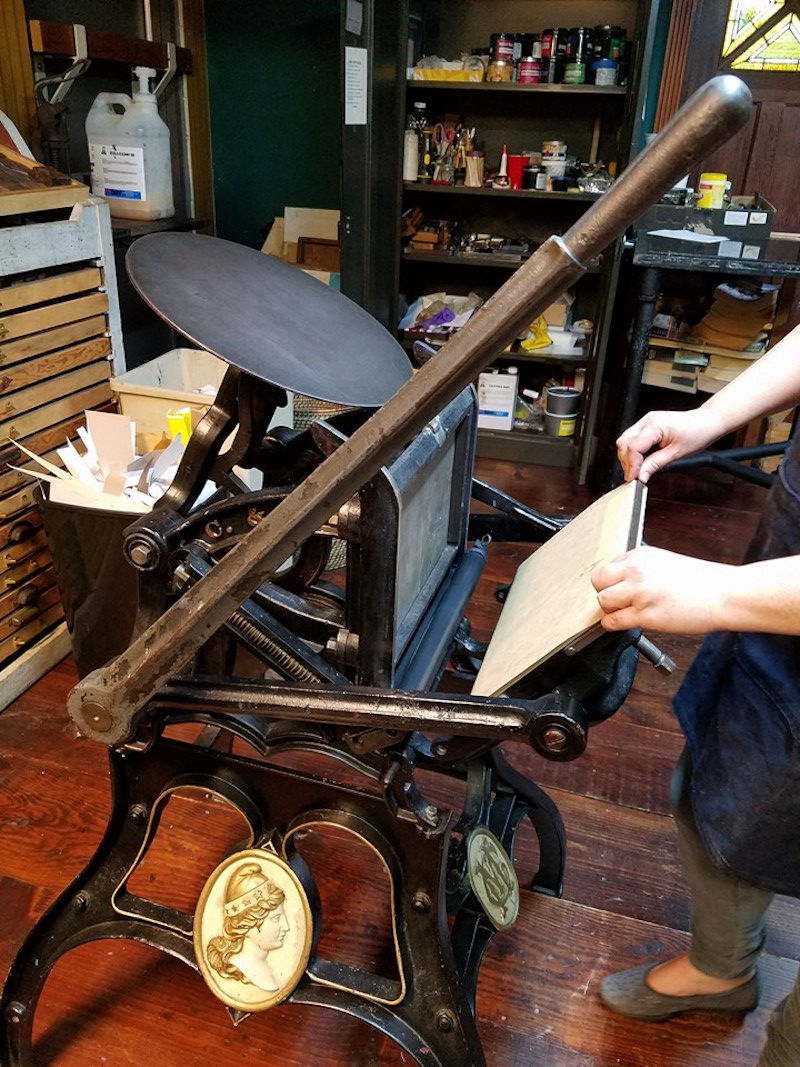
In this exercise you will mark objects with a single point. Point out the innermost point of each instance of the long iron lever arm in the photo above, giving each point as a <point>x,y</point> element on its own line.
<point>107,704</point>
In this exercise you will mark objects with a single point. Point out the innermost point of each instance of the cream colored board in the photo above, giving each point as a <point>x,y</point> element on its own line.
<point>552,602</point>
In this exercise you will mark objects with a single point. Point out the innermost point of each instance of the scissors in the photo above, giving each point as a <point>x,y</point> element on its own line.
<point>442,139</point>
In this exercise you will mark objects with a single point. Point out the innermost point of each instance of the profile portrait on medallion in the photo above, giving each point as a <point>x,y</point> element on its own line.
<point>252,930</point>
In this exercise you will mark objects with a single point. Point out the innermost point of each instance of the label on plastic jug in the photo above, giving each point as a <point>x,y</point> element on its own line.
<point>117,171</point>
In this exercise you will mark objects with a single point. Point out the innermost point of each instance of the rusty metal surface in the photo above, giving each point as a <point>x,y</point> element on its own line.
<point>107,703</point>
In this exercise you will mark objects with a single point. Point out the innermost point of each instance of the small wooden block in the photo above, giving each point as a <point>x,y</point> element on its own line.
<point>552,602</point>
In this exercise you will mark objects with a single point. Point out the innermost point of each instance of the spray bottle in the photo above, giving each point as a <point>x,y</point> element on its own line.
<point>129,153</point>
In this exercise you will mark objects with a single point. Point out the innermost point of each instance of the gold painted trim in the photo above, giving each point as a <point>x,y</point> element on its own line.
<point>398,956</point>
<point>149,837</point>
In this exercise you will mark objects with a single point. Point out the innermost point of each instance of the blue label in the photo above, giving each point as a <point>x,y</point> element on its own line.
<point>124,194</point>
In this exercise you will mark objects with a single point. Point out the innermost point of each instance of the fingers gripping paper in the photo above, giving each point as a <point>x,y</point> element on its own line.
<point>552,601</point>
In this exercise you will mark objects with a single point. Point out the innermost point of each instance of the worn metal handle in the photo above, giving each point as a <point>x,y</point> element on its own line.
<point>107,703</point>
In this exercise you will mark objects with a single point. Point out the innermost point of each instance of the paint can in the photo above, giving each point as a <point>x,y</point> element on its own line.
<point>529,71</point>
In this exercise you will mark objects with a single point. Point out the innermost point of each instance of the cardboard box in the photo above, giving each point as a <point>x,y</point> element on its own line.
<point>180,378</point>
<point>741,230</point>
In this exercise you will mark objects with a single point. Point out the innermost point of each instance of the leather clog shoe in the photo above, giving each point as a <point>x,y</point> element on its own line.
<point>628,993</point>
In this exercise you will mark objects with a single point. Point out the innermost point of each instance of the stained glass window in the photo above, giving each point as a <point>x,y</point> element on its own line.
<point>763,35</point>
<point>744,18</point>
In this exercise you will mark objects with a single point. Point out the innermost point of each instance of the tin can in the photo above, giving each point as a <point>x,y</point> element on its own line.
<point>580,45</point>
<point>531,45</point>
<point>554,49</point>
<point>502,46</point>
<point>605,72</point>
<point>529,71</point>
<point>607,42</point>
<point>500,70</point>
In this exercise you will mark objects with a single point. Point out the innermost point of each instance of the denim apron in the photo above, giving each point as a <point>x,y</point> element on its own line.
<point>739,709</point>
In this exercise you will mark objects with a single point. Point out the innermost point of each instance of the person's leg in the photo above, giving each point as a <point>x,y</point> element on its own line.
<point>718,974</point>
<point>728,915</point>
<point>783,1033</point>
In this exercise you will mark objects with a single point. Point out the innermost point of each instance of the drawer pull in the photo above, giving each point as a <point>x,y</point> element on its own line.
<point>19,532</point>
<point>23,616</point>
<point>27,596</point>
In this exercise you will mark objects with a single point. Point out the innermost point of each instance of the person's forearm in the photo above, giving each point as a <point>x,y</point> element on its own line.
<point>660,590</point>
<point>771,383</point>
<point>764,597</point>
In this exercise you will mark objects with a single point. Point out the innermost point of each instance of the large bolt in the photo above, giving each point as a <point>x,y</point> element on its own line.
<point>445,1021</point>
<point>421,902</point>
<point>15,1012</point>
<point>138,814</point>
<point>555,738</point>
<point>142,555</point>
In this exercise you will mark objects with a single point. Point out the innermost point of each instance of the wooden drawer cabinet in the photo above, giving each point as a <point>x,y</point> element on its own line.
<point>60,342</point>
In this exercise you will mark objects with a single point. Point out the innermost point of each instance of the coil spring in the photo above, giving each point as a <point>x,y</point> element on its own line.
<point>282,659</point>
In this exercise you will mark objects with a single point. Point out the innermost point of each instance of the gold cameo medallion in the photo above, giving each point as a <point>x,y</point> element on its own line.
<point>252,930</point>
<point>492,877</point>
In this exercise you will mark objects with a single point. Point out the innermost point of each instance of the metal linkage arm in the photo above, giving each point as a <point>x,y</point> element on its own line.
<point>107,703</point>
<point>555,724</point>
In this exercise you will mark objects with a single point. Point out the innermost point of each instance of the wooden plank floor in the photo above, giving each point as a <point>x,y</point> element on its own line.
<point>120,1003</point>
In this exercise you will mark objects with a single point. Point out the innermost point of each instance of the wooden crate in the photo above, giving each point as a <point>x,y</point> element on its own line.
<point>60,343</point>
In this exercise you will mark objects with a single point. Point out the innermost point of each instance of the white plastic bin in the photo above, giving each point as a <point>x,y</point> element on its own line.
<point>180,378</point>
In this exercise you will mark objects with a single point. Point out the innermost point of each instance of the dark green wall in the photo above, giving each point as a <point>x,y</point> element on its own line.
<point>274,87</point>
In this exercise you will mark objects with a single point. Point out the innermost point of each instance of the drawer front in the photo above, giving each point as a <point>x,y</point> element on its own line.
<point>18,562</point>
<point>27,635</point>
<point>42,376</point>
<point>29,595</point>
<point>37,344</point>
<point>21,323</point>
<point>17,425</point>
<point>28,613</point>
<point>20,529</point>
<point>14,503</point>
<point>56,287</point>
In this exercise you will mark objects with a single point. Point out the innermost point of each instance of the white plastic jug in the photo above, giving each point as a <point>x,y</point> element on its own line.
<point>129,153</point>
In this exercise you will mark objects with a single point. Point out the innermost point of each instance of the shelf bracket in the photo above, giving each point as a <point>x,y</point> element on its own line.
<point>80,64</point>
<point>169,73</point>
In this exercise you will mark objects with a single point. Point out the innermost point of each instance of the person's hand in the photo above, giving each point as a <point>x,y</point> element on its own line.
<point>659,590</point>
<point>671,434</point>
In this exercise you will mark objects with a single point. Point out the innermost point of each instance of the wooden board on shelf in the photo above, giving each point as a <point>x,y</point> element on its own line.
<point>23,186</point>
<point>709,350</point>
<point>552,602</point>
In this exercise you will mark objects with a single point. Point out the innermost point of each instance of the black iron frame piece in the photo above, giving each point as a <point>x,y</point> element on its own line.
<point>430,1013</point>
